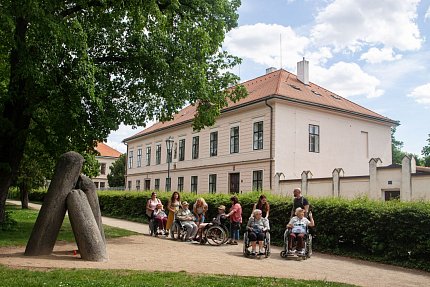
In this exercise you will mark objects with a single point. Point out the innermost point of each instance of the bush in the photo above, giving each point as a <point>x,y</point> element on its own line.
<point>394,232</point>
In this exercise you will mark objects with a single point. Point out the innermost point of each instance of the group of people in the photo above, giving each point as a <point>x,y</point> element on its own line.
<point>257,225</point>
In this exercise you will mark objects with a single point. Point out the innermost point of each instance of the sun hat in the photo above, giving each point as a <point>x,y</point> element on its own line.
<point>221,207</point>
<point>184,203</point>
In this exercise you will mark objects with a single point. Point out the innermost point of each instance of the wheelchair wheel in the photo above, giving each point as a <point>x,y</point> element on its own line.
<point>215,235</point>
<point>283,254</point>
<point>267,245</point>
<point>246,251</point>
<point>309,246</point>
<point>176,231</point>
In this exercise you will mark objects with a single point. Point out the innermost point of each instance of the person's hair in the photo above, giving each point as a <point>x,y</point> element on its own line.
<point>234,199</point>
<point>201,202</point>
<point>172,198</point>
<point>257,211</point>
<point>260,204</point>
<point>298,189</point>
<point>154,193</point>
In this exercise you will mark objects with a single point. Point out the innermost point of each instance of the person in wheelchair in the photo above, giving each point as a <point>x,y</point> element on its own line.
<point>160,218</point>
<point>257,227</point>
<point>298,227</point>
<point>186,217</point>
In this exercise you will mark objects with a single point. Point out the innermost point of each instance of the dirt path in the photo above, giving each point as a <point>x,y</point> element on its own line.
<point>143,252</point>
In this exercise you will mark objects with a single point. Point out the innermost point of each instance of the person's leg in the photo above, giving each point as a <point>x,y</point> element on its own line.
<point>260,238</point>
<point>291,238</point>
<point>252,239</point>
<point>300,237</point>
<point>194,230</point>
<point>189,230</point>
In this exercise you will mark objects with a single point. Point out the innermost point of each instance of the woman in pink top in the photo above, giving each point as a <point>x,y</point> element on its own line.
<point>151,204</point>
<point>235,216</point>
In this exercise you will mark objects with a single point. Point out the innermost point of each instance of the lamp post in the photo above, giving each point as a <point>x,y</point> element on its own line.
<point>169,146</point>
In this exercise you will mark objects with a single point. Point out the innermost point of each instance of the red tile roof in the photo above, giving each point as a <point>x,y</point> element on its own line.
<point>279,84</point>
<point>106,150</point>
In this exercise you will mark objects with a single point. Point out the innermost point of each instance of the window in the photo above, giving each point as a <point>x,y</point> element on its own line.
<point>130,159</point>
<point>102,185</point>
<point>257,180</point>
<point>258,135</point>
<point>392,195</point>
<point>147,185</point>
<point>234,140</point>
<point>97,184</point>
<point>314,138</point>
<point>212,183</point>
<point>157,184</point>
<point>181,183</point>
<point>181,149</point>
<point>138,184</point>
<point>194,180</point>
<point>139,157</point>
<point>103,168</point>
<point>158,154</point>
<point>129,184</point>
<point>214,144</point>
<point>195,152</point>
<point>168,183</point>
<point>148,155</point>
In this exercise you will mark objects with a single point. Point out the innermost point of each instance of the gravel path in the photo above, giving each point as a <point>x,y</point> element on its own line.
<point>143,252</point>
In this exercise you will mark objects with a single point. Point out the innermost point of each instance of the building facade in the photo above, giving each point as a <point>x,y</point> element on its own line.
<point>106,158</point>
<point>285,125</point>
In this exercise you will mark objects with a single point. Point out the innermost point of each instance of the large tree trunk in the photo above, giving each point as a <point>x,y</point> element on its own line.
<point>15,117</point>
<point>87,234</point>
<point>87,185</point>
<point>51,215</point>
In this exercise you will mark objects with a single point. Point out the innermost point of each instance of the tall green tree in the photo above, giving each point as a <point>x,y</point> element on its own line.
<point>72,71</point>
<point>396,148</point>
<point>425,152</point>
<point>116,176</point>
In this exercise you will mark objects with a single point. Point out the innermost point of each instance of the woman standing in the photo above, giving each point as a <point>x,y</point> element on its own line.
<point>263,205</point>
<point>151,204</point>
<point>235,216</point>
<point>173,207</point>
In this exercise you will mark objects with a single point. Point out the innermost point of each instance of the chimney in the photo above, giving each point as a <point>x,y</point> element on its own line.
<point>303,71</point>
<point>269,70</point>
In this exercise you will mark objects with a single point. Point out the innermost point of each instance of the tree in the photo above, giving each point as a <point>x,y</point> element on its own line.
<point>72,71</point>
<point>116,176</point>
<point>425,152</point>
<point>396,148</point>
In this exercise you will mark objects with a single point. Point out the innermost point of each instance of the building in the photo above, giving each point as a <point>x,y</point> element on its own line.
<point>285,125</point>
<point>106,158</point>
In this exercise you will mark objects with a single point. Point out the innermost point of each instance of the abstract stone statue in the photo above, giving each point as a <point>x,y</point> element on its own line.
<point>77,194</point>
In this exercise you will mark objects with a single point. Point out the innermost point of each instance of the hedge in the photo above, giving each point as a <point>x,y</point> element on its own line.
<point>394,232</point>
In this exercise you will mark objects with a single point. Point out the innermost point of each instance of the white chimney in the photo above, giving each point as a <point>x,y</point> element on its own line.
<point>303,71</point>
<point>269,70</point>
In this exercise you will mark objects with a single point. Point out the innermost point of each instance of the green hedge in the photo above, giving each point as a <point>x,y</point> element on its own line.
<point>393,232</point>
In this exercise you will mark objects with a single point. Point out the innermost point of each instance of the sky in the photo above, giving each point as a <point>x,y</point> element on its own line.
<point>373,52</point>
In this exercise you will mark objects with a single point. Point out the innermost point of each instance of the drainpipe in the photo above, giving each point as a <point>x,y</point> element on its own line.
<point>126,168</point>
<point>271,142</point>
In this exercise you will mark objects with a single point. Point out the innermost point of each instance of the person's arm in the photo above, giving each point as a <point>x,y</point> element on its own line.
<point>233,210</point>
<point>311,219</point>
<point>249,224</point>
<point>169,206</point>
<point>268,210</point>
<point>266,225</point>
<point>290,223</point>
<point>253,208</point>
<point>148,208</point>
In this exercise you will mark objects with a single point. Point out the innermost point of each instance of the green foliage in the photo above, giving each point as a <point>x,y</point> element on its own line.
<point>116,177</point>
<point>22,222</point>
<point>91,167</point>
<point>112,278</point>
<point>396,148</point>
<point>9,224</point>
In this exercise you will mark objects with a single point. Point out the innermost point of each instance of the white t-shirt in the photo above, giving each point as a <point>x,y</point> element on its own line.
<point>299,225</point>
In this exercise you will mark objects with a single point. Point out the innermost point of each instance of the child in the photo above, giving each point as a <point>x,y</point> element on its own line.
<point>160,217</point>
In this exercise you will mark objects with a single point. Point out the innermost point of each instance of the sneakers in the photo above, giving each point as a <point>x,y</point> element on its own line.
<point>301,253</point>
<point>260,253</point>
<point>253,253</point>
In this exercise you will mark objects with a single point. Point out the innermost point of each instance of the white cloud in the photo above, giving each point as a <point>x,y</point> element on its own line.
<point>261,44</point>
<point>352,24</point>
<point>375,55</point>
<point>116,137</point>
<point>421,94</point>
<point>346,80</point>
<point>427,15</point>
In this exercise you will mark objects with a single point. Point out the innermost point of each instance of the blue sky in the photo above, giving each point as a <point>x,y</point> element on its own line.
<point>373,52</point>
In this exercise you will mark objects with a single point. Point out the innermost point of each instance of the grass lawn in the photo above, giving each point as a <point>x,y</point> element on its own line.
<point>26,219</point>
<point>19,277</point>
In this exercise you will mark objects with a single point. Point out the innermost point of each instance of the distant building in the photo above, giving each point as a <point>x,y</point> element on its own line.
<point>106,158</point>
<point>286,125</point>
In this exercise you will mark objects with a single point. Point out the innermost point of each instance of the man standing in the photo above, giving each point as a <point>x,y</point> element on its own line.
<point>299,201</point>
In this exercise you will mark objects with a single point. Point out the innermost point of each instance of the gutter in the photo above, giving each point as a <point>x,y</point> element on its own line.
<point>271,142</point>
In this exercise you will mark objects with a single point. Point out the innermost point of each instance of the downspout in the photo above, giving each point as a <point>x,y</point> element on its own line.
<point>271,142</point>
<point>126,168</point>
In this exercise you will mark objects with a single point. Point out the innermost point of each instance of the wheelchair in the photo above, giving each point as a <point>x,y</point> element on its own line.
<point>178,231</point>
<point>247,244</point>
<point>214,234</point>
<point>289,253</point>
